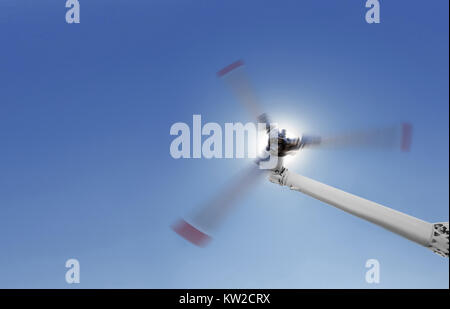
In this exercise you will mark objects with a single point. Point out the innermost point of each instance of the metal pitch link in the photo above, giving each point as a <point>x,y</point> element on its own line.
<point>278,176</point>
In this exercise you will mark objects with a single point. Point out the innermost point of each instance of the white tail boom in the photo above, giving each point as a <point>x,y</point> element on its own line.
<point>434,236</point>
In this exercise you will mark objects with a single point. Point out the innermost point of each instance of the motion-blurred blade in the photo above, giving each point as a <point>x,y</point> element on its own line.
<point>236,78</point>
<point>209,217</point>
<point>395,137</point>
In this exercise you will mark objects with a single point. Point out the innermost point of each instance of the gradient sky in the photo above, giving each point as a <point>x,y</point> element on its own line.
<point>85,114</point>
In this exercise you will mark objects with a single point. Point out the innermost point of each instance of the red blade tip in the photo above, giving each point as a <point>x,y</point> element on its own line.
<point>230,68</point>
<point>190,233</point>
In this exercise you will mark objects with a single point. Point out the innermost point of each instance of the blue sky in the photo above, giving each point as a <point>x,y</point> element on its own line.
<point>85,166</point>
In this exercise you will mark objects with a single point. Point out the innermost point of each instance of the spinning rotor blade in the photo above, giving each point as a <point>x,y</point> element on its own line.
<point>388,138</point>
<point>214,212</point>
<point>236,78</point>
